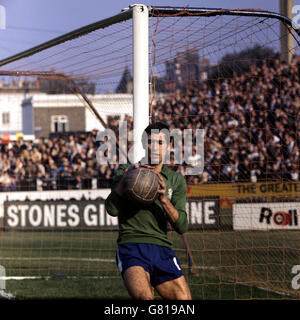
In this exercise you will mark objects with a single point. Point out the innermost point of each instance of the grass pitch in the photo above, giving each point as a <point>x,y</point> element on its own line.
<point>75,264</point>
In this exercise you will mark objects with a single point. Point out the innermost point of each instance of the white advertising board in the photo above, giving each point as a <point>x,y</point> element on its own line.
<point>266,216</point>
<point>52,195</point>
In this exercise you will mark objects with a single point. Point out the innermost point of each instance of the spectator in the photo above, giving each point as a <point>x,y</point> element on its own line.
<point>251,124</point>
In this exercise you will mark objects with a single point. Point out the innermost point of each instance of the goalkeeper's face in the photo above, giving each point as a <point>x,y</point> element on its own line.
<point>157,148</point>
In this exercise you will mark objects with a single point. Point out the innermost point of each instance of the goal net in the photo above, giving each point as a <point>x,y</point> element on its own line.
<point>223,71</point>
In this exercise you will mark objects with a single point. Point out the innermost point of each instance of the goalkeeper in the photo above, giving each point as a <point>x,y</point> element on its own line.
<point>144,255</point>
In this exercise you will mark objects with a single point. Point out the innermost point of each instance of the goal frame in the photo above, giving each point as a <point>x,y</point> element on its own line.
<point>139,13</point>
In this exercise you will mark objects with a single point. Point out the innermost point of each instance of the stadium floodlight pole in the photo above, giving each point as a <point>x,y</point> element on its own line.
<point>140,18</point>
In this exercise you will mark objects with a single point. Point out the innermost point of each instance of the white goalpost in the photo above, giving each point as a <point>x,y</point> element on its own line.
<point>140,18</point>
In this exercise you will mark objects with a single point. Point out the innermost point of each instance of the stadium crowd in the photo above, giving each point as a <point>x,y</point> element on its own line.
<point>251,124</point>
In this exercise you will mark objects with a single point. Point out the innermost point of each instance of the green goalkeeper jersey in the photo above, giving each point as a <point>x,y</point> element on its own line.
<point>150,224</point>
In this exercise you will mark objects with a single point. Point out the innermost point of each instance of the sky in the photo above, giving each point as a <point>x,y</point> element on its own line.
<point>32,22</point>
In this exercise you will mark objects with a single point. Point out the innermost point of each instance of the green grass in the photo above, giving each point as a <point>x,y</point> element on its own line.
<point>75,264</point>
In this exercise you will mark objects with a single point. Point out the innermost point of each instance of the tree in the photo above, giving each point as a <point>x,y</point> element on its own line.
<point>125,84</point>
<point>56,86</point>
<point>240,62</point>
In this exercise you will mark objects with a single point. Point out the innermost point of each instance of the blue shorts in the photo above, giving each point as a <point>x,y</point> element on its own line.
<point>160,262</point>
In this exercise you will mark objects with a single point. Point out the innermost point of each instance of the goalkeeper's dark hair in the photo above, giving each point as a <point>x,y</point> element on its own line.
<point>156,125</point>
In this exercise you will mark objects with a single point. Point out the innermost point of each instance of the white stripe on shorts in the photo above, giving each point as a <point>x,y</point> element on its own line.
<point>176,263</point>
<point>119,261</point>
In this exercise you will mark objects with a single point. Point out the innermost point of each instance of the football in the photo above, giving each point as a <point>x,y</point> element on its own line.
<point>141,185</point>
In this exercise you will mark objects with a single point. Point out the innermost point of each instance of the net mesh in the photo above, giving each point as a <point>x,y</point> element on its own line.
<point>224,74</point>
<point>216,72</point>
<point>101,56</point>
<point>55,84</point>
